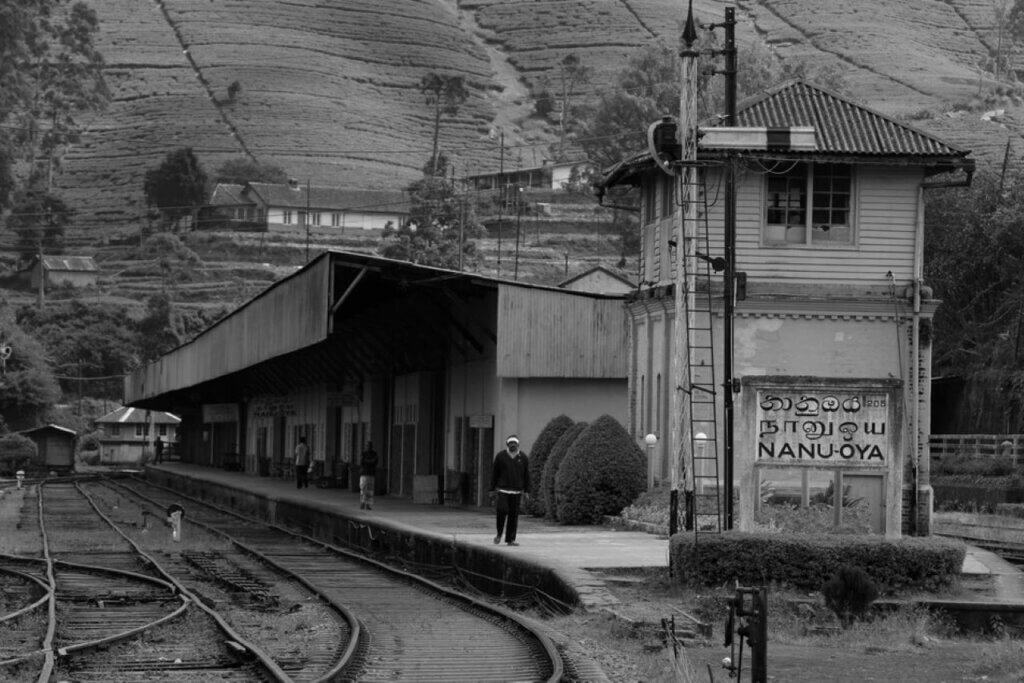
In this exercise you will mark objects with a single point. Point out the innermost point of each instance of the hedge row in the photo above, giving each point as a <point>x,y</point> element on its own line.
<point>807,561</point>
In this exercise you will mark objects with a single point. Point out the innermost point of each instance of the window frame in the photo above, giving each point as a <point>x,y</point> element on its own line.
<point>776,235</point>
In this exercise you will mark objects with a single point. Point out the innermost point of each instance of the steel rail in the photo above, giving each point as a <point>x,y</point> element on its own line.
<point>356,629</point>
<point>268,663</point>
<point>550,650</point>
<point>28,608</point>
<point>49,658</point>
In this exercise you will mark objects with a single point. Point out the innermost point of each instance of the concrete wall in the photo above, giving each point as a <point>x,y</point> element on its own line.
<point>378,537</point>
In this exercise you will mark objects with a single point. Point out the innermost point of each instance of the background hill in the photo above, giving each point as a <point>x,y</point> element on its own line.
<point>329,90</point>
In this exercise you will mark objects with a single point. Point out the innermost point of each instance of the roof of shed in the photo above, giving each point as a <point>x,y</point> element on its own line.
<point>842,128</point>
<point>318,197</point>
<point>49,426</point>
<point>128,415</point>
<point>73,263</point>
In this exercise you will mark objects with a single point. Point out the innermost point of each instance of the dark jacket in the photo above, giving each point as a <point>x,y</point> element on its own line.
<point>368,463</point>
<point>511,473</point>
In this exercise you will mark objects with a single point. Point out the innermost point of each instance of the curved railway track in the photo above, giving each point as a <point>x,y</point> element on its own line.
<point>110,615</point>
<point>412,629</point>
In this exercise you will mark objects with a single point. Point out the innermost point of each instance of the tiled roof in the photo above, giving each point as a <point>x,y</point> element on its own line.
<point>229,194</point>
<point>841,126</point>
<point>327,198</point>
<point>128,415</point>
<point>66,263</point>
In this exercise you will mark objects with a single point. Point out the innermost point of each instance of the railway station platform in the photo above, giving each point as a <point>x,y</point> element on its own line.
<point>575,555</point>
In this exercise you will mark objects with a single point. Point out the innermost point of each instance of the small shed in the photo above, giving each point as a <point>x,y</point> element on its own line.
<point>55,445</point>
<point>64,271</point>
<point>599,280</point>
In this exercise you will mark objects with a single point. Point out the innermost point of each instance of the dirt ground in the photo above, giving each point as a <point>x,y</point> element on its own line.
<point>629,647</point>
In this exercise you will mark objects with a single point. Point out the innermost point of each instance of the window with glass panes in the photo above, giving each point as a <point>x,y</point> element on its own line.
<point>810,204</point>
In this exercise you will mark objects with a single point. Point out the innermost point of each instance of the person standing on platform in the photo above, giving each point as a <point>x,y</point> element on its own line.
<point>510,481</point>
<point>159,448</point>
<point>302,465</point>
<point>367,476</point>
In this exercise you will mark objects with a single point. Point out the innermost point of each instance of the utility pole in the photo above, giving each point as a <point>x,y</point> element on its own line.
<point>306,220</point>
<point>501,195</point>
<point>519,217</point>
<point>684,285</point>
<point>730,264</point>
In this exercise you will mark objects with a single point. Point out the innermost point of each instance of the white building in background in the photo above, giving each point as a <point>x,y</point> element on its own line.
<point>286,207</point>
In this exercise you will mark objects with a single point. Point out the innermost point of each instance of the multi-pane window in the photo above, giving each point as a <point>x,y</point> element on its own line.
<point>335,219</point>
<point>286,216</point>
<point>650,196</point>
<point>810,204</point>
<point>140,430</point>
<point>668,196</point>
<point>314,218</point>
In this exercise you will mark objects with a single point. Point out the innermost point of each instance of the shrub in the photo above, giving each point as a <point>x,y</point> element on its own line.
<point>16,451</point>
<point>558,451</point>
<point>539,456</point>
<point>849,593</point>
<point>603,471</point>
<point>803,560</point>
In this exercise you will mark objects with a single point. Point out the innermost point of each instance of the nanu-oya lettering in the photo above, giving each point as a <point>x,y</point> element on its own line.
<point>821,451</point>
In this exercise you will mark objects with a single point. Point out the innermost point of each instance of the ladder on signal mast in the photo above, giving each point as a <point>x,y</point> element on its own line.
<point>702,484</point>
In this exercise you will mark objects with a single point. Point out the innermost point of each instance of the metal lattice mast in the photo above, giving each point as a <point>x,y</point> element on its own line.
<point>684,289</point>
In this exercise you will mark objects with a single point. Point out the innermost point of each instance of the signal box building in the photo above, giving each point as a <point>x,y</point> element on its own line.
<point>831,338</point>
<point>434,367</point>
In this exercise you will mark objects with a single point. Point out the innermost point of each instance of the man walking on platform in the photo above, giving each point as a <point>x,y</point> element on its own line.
<point>302,464</point>
<point>367,476</point>
<point>510,480</point>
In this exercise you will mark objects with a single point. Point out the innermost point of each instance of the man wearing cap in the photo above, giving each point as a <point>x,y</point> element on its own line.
<point>510,480</point>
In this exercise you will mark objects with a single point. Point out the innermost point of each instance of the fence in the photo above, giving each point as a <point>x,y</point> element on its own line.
<point>942,445</point>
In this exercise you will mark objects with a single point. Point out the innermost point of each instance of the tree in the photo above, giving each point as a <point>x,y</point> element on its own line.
<point>244,170</point>
<point>51,73</point>
<point>84,341</point>
<point>648,88</point>
<point>39,219</point>
<point>571,73</point>
<point>445,93</point>
<point>27,385</point>
<point>177,187</point>
<point>442,225</point>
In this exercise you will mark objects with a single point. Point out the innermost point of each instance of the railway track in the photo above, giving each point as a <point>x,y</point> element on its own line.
<point>88,605</point>
<point>412,629</point>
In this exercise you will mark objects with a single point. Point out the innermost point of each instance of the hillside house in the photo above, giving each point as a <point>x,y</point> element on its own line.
<point>435,367</point>
<point>599,280</point>
<point>63,271</point>
<point>831,343</point>
<point>293,206</point>
<point>128,433</point>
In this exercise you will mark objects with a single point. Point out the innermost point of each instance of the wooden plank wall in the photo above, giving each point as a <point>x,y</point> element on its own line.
<point>885,202</point>
<point>289,315</point>
<point>544,333</point>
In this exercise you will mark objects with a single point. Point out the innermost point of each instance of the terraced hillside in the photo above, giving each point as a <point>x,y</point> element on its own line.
<point>328,90</point>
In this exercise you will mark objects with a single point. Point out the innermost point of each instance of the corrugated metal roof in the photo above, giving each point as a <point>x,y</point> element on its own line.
<point>841,126</point>
<point>128,415</point>
<point>65,263</point>
<point>321,198</point>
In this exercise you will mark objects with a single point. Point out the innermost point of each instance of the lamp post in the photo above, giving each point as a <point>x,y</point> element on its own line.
<point>651,440</point>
